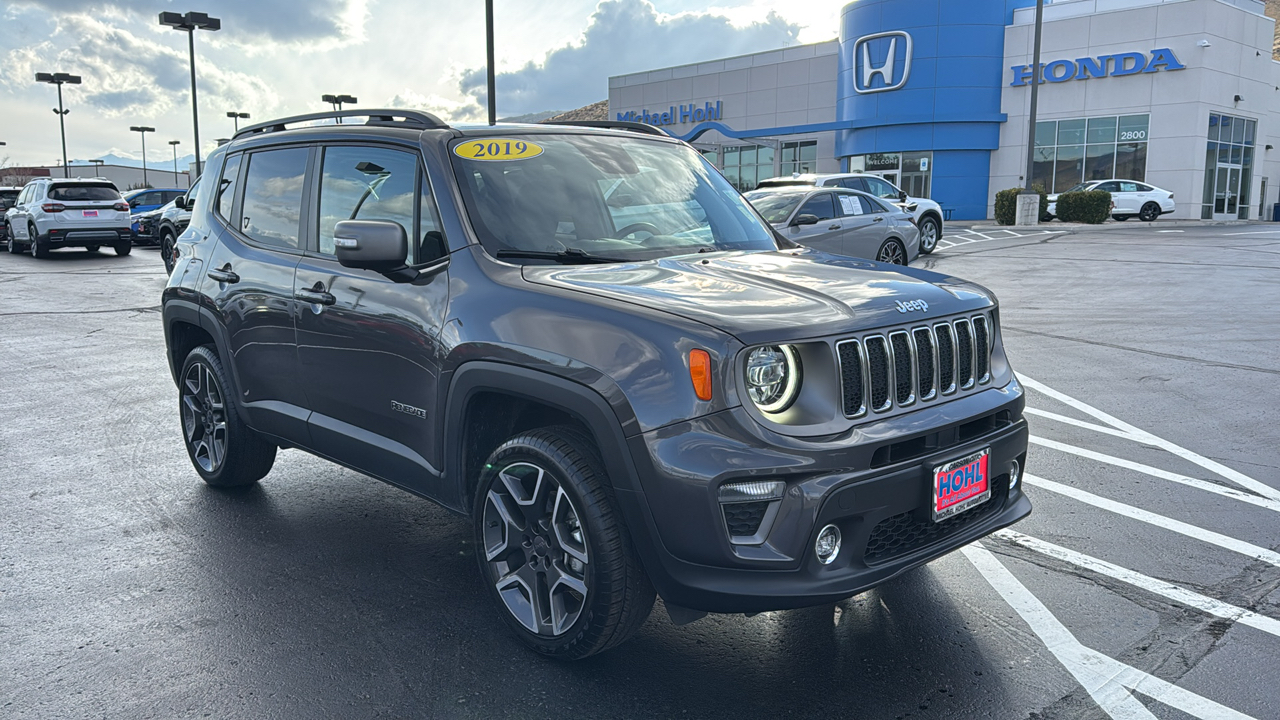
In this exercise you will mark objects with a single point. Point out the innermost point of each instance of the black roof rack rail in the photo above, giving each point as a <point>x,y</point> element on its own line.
<point>640,127</point>
<point>414,118</point>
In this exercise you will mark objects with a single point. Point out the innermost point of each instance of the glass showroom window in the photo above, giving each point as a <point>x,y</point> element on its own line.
<point>747,165</point>
<point>910,171</point>
<point>799,157</point>
<point>1228,167</point>
<point>1069,152</point>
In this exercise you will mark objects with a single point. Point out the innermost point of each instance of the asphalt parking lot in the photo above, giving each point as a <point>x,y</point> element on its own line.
<point>1143,585</point>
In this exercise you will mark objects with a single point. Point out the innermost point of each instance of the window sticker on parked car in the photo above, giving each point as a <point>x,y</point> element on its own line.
<point>850,205</point>
<point>497,149</point>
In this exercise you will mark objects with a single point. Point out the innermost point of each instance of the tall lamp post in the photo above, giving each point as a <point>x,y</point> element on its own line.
<point>189,23</point>
<point>98,164</point>
<point>1026,216</point>
<point>143,130</point>
<point>174,144</point>
<point>489,70</point>
<point>336,101</point>
<point>236,116</point>
<point>59,79</point>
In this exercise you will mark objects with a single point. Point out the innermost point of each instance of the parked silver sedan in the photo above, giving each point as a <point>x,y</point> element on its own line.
<point>842,222</point>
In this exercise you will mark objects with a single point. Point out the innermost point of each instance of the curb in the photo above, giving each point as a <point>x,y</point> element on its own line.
<point>1109,225</point>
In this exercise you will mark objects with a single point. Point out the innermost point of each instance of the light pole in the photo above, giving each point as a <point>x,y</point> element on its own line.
<point>236,116</point>
<point>336,102</point>
<point>189,23</point>
<point>59,79</point>
<point>489,71</point>
<point>143,130</point>
<point>98,164</point>
<point>174,144</point>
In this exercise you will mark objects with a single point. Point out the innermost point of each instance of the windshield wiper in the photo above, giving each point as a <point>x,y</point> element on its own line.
<point>567,256</point>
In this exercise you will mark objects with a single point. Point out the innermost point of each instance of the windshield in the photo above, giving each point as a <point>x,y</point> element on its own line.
<point>776,207</point>
<point>83,192</point>
<point>619,198</point>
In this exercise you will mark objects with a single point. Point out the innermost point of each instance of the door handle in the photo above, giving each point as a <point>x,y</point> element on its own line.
<point>834,227</point>
<point>878,218</point>
<point>315,295</point>
<point>224,274</point>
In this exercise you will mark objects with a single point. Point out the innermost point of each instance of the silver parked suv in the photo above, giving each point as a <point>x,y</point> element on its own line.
<point>70,212</point>
<point>927,213</point>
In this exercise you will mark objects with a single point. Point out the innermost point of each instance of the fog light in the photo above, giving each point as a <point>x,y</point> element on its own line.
<point>827,546</point>
<point>1015,474</point>
<point>752,491</point>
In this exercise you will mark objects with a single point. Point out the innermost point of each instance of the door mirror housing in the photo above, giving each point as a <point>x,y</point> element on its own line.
<point>378,245</point>
<point>902,195</point>
<point>180,202</point>
<point>805,219</point>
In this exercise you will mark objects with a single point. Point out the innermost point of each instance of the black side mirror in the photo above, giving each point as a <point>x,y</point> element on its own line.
<point>805,219</point>
<point>180,202</point>
<point>902,195</point>
<point>378,245</point>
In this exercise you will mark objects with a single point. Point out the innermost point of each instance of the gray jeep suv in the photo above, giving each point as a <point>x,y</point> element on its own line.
<point>584,340</point>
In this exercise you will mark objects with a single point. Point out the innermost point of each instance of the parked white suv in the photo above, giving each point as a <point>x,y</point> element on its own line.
<point>68,212</point>
<point>927,213</point>
<point>1129,198</point>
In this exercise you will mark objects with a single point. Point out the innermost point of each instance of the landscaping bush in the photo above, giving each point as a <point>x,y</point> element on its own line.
<point>1007,205</point>
<point>1092,206</point>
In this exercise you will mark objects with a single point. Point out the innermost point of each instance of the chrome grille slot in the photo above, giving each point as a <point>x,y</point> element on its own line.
<point>982,343</point>
<point>903,366</point>
<point>852,385</point>
<point>925,364</point>
<point>897,367</point>
<point>878,372</point>
<point>964,354</point>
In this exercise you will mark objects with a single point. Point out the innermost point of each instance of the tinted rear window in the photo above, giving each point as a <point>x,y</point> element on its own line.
<point>8,198</point>
<point>84,191</point>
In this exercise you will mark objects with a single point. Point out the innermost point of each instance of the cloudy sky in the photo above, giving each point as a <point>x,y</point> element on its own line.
<point>277,57</point>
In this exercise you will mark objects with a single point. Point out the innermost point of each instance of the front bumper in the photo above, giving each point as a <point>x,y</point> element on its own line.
<point>881,506</point>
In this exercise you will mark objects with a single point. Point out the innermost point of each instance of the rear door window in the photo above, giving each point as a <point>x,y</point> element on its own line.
<point>226,190</point>
<point>1108,187</point>
<point>272,205</point>
<point>820,205</point>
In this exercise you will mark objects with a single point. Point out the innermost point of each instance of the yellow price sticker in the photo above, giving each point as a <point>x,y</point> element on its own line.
<point>497,149</point>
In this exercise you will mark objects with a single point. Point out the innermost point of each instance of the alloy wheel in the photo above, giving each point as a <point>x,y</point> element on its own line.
<point>1149,212</point>
<point>891,252</point>
<point>536,549</point>
<point>928,235</point>
<point>204,417</point>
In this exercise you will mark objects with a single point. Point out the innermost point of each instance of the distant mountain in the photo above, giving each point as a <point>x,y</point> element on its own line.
<point>113,158</point>
<point>531,117</point>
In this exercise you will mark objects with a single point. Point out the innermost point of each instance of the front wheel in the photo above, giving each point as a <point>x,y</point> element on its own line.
<point>930,233</point>
<point>14,247</point>
<point>892,252</point>
<point>1149,212</point>
<point>552,547</point>
<point>225,451</point>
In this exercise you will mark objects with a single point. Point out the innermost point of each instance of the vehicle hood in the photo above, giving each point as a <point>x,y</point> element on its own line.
<point>772,296</point>
<point>923,202</point>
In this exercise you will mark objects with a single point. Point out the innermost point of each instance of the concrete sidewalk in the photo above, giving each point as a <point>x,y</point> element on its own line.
<point>985,225</point>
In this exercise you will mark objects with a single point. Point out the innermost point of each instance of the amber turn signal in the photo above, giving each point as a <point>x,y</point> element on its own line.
<point>700,373</point>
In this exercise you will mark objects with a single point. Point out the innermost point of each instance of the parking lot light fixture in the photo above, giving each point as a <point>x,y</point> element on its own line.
<point>60,79</point>
<point>174,144</point>
<point>143,130</point>
<point>236,116</point>
<point>189,23</point>
<point>337,101</point>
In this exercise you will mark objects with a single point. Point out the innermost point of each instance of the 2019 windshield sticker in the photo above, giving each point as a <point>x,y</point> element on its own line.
<point>497,149</point>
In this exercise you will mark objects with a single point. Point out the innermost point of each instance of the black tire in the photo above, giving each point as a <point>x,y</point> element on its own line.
<point>1149,212</point>
<point>39,248</point>
<point>1120,218</point>
<point>14,246</point>
<point>91,248</point>
<point>617,596</point>
<point>223,450</point>
<point>930,234</point>
<point>892,252</point>
<point>166,251</point>
<point>124,247</point>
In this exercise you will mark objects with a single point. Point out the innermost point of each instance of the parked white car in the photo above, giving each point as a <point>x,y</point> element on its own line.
<point>68,212</point>
<point>927,213</point>
<point>1130,198</point>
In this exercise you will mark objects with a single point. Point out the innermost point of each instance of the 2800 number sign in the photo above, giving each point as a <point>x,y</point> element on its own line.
<point>497,149</point>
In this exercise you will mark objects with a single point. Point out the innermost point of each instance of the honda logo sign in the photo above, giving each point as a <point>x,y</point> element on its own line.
<point>884,57</point>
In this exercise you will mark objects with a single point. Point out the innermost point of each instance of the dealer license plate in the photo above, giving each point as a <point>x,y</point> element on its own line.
<point>960,485</point>
<point>90,213</point>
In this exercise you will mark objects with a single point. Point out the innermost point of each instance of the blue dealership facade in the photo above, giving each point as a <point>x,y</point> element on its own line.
<point>934,95</point>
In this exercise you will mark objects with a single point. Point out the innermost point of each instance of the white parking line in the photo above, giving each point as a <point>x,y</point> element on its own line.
<point>1108,681</point>
<point>1147,438</point>
<point>1079,423</point>
<point>1234,494</point>
<point>1164,589</point>
<point>1146,516</point>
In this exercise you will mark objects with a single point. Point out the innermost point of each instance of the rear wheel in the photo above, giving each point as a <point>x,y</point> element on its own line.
<point>224,451</point>
<point>930,233</point>
<point>39,248</point>
<point>1149,212</point>
<point>123,247</point>
<point>166,251</point>
<point>892,252</point>
<point>14,246</point>
<point>552,547</point>
<point>1119,218</point>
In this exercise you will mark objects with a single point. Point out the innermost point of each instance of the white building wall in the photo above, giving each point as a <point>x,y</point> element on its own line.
<point>1236,62</point>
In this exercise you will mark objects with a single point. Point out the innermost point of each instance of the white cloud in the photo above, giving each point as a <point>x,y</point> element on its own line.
<point>445,108</point>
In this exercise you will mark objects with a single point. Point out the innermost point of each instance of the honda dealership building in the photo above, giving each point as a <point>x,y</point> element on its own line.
<point>934,95</point>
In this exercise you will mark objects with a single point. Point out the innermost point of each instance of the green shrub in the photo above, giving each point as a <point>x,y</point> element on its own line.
<point>1092,206</point>
<point>1007,205</point>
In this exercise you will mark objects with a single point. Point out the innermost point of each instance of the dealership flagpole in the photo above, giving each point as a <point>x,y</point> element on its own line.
<point>1035,87</point>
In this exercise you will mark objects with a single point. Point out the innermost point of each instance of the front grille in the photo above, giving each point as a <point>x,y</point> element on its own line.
<point>915,364</point>
<point>907,532</point>
<point>743,519</point>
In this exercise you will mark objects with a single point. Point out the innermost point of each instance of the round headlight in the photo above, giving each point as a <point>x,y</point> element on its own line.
<point>773,377</point>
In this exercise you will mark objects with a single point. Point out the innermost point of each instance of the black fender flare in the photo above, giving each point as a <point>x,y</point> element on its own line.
<point>177,310</point>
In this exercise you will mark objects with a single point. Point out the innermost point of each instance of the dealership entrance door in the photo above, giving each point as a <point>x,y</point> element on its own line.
<point>1228,168</point>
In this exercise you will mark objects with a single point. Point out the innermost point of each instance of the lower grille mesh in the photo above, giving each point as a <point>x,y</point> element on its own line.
<point>743,519</point>
<point>913,530</point>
